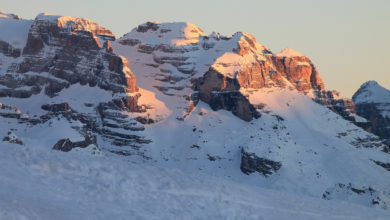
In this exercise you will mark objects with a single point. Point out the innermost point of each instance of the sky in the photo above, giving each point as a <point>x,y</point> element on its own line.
<point>347,40</point>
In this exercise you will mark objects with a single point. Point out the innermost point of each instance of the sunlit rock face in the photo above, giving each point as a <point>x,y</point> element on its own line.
<point>372,102</point>
<point>191,65</point>
<point>186,62</point>
<point>4,14</point>
<point>246,66</point>
<point>298,69</point>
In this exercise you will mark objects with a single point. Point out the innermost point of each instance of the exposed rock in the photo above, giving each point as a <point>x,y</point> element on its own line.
<point>379,125</point>
<point>223,93</point>
<point>9,50</point>
<point>12,138</point>
<point>213,158</point>
<point>111,122</point>
<point>9,111</point>
<point>148,26</point>
<point>298,69</point>
<point>251,163</point>
<point>117,124</point>
<point>384,165</point>
<point>69,49</point>
<point>372,102</point>
<point>62,107</point>
<point>363,196</point>
<point>65,145</point>
<point>61,51</point>
<point>371,141</point>
<point>332,99</point>
<point>234,63</point>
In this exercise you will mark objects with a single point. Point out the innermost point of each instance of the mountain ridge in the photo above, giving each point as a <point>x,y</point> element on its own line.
<point>167,95</point>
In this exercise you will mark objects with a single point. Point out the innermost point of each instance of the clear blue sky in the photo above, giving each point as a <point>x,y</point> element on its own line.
<point>348,40</point>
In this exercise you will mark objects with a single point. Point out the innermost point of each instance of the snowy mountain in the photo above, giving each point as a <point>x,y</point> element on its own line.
<point>172,118</point>
<point>372,102</point>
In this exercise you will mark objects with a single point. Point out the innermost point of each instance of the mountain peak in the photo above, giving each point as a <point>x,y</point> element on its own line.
<point>168,33</point>
<point>69,23</point>
<point>370,83</point>
<point>371,92</point>
<point>289,52</point>
<point>4,14</point>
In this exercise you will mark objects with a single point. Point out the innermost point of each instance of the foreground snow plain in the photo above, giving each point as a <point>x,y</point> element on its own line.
<point>41,184</point>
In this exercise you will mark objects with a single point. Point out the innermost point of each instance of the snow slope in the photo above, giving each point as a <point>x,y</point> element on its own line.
<point>289,52</point>
<point>317,148</point>
<point>312,143</point>
<point>42,184</point>
<point>372,92</point>
<point>17,31</point>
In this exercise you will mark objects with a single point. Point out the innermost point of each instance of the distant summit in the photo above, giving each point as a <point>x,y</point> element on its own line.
<point>373,103</point>
<point>371,92</point>
<point>289,52</point>
<point>4,14</point>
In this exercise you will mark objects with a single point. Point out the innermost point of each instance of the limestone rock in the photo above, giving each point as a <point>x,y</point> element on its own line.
<point>298,69</point>
<point>69,49</point>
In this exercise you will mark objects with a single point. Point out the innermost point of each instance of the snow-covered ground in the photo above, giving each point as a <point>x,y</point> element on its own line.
<point>17,31</point>
<point>41,184</point>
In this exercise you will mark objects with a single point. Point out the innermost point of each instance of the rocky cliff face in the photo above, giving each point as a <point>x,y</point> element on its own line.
<point>298,69</point>
<point>333,100</point>
<point>215,68</point>
<point>56,53</point>
<point>372,102</point>
<point>71,50</point>
<point>301,72</point>
<point>193,66</point>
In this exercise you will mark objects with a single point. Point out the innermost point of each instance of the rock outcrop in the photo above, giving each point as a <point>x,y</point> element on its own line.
<point>8,50</point>
<point>12,138</point>
<point>187,60</point>
<point>298,69</point>
<point>251,163</point>
<point>67,145</point>
<point>333,100</point>
<point>301,72</point>
<point>363,196</point>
